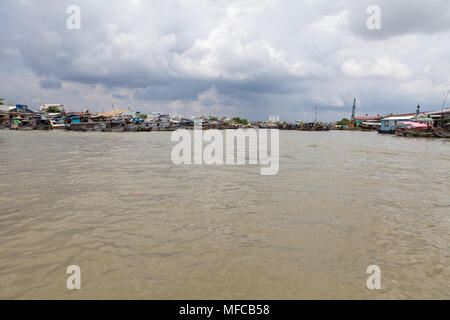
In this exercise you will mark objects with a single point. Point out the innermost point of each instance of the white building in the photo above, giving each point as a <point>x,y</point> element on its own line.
<point>273,118</point>
<point>46,106</point>
<point>176,118</point>
<point>6,107</point>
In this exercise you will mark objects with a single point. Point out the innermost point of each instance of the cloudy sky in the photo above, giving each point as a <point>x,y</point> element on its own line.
<point>243,58</point>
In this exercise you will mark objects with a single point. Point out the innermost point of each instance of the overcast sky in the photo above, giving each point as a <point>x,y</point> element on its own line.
<point>227,58</point>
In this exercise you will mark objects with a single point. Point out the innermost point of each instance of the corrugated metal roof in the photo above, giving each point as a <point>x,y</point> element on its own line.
<point>367,118</point>
<point>113,113</point>
<point>400,117</point>
<point>445,111</point>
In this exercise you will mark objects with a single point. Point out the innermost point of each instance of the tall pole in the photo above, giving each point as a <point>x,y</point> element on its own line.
<point>354,110</point>
<point>445,100</point>
<point>315,121</point>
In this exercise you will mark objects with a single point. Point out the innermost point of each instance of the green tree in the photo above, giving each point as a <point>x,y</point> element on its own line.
<point>213,119</point>
<point>343,122</point>
<point>239,120</point>
<point>1,101</point>
<point>52,110</point>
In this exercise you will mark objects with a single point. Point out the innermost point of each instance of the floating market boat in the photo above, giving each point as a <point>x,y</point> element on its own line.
<point>58,123</point>
<point>19,124</point>
<point>84,126</point>
<point>41,123</point>
<point>413,129</point>
<point>133,127</point>
<point>313,126</point>
<point>442,131</point>
<point>162,126</point>
<point>113,126</point>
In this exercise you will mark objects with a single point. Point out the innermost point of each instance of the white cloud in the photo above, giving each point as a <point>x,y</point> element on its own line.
<point>381,67</point>
<point>353,68</point>
<point>386,67</point>
<point>253,57</point>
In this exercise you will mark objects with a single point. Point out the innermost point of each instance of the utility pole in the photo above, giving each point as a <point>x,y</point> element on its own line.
<point>354,110</point>
<point>315,119</point>
<point>445,100</point>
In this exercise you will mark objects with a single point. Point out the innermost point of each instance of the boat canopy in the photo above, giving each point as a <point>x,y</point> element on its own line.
<point>414,124</point>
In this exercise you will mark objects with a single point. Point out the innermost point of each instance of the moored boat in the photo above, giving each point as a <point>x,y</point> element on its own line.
<point>413,129</point>
<point>19,124</point>
<point>114,126</point>
<point>84,126</point>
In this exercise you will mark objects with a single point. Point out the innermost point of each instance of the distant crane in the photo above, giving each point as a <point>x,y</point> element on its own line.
<point>354,110</point>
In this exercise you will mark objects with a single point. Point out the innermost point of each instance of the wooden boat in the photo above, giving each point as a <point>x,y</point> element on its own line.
<point>442,132</point>
<point>113,126</point>
<point>24,128</point>
<point>370,126</point>
<point>41,123</point>
<point>314,127</point>
<point>138,128</point>
<point>413,129</point>
<point>58,123</point>
<point>163,127</point>
<point>22,125</point>
<point>84,126</point>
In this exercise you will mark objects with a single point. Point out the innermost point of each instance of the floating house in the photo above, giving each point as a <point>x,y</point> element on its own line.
<point>4,119</point>
<point>114,113</point>
<point>443,115</point>
<point>162,123</point>
<point>368,123</point>
<point>17,117</point>
<point>388,124</point>
<point>441,122</point>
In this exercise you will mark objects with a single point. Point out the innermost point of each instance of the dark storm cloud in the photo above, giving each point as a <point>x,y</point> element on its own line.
<point>120,96</point>
<point>401,17</point>
<point>175,89</point>
<point>50,84</point>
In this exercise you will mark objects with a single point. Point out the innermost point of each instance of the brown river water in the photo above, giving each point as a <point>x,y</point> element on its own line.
<point>141,227</point>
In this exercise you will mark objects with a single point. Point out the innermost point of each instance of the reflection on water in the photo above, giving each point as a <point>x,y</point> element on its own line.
<point>141,227</point>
